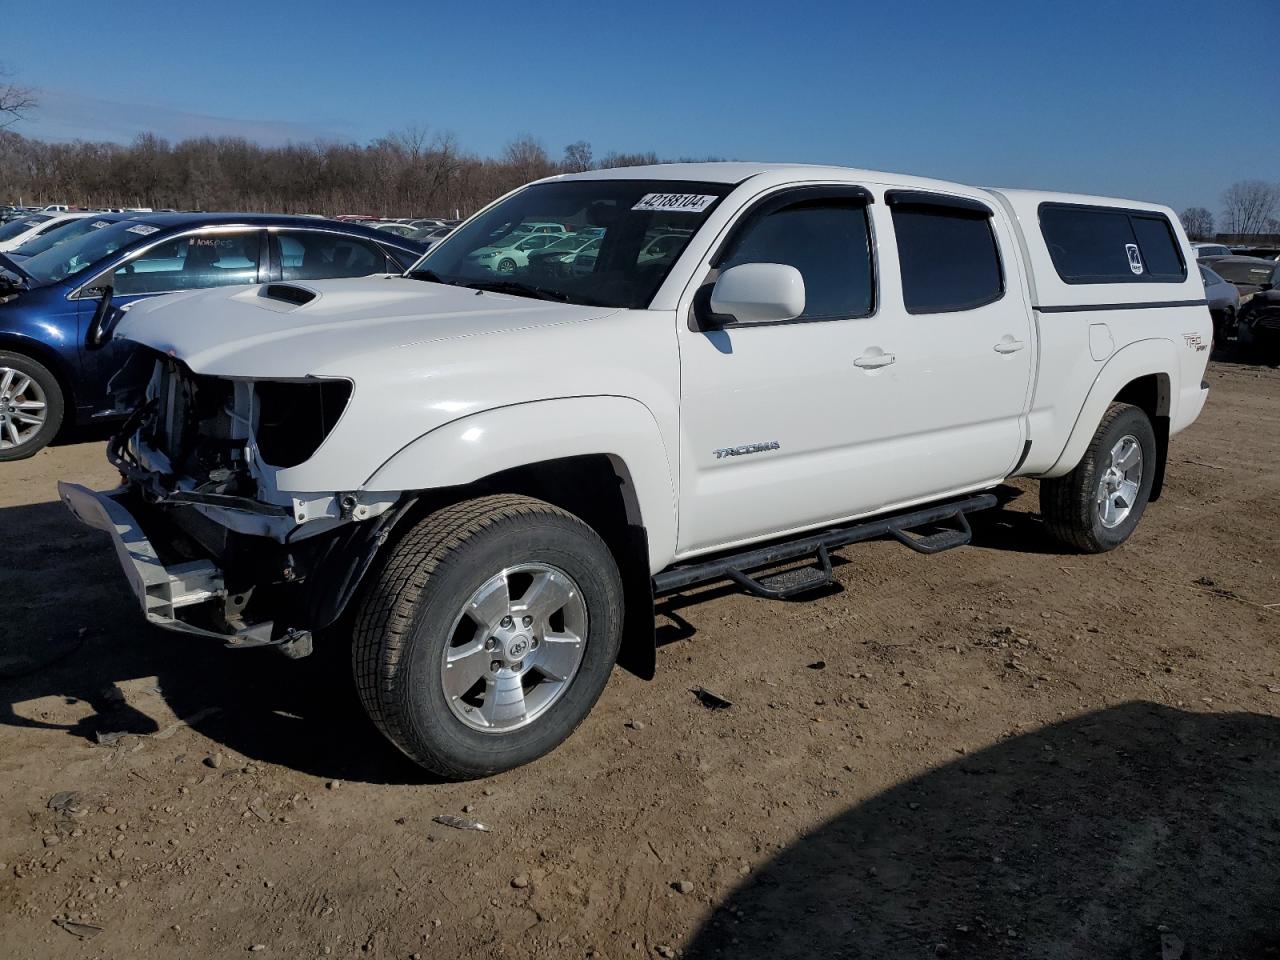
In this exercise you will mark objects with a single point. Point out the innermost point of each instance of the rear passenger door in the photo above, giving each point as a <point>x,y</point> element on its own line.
<point>959,327</point>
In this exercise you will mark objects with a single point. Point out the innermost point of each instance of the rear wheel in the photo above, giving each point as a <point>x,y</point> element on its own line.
<point>1097,505</point>
<point>489,635</point>
<point>31,406</point>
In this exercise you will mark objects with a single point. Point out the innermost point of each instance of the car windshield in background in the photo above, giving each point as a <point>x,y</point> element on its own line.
<point>15,227</point>
<point>68,231</point>
<point>70,258</point>
<point>1256,272</point>
<point>504,248</point>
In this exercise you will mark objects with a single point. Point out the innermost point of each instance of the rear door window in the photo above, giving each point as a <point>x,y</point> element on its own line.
<point>1110,245</point>
<point>319,255</point>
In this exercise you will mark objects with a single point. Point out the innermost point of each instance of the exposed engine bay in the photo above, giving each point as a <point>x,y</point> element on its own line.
<point>223,551</point>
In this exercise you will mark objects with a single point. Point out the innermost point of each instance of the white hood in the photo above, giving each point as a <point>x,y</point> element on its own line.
<point>241,332</point>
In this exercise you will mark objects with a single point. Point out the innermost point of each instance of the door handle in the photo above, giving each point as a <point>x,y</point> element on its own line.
<point>870,361</point>
<point>1009,345</point>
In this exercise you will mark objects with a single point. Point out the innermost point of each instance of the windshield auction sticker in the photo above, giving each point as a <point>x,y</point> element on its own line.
<point>674,202</point>
<point>144,229</point>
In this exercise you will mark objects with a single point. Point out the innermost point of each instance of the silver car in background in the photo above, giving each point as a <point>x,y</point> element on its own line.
<point>1224,304</point>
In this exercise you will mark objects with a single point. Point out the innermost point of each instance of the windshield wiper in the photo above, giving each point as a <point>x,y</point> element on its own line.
<point>520,289</point>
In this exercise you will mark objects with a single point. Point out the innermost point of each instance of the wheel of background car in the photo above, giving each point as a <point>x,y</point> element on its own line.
<point>31,406</point>
<point>506,265</point>
<point>488,635</point>
<point>1096,507</point>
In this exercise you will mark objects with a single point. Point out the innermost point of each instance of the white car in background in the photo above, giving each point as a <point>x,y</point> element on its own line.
<point>1202,250</point>
<point>394,226</point>
<point>512,251</point>
<point>17,232</point>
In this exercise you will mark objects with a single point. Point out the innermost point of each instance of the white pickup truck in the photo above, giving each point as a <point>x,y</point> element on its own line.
<point>479,476</point>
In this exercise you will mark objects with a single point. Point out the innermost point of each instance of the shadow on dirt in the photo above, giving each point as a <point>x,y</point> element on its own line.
<point>1098,837</point>
<point>73,633</point>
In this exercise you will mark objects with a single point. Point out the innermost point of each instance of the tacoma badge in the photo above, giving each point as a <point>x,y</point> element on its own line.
<point>746,448</point>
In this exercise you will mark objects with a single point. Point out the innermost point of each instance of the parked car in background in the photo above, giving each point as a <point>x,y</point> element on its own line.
<point>21,228</point>
<point>430,236</point>
<point>1249,274</point>
<point>511,253</point>
<point>55,208</point>
<point>574,254</point>
<point>55,224</point>
<point>422,222</point>
<point>1224,303</point>
<point>57,306</point>
<point>393,226</point>
<point>68,230</point>
<point>1203,250</point>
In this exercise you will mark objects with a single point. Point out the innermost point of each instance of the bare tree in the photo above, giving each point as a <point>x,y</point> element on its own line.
<point>526,157</point>
<point>1198,222</point>
<point>1250,205</point>
<point>15,101</point>
<point>615,159</point>
<point>577,157</point>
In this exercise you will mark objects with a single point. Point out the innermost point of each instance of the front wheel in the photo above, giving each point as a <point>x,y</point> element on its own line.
<point>1097,505</point>
<point>31,406</point>
<point>489,635</point>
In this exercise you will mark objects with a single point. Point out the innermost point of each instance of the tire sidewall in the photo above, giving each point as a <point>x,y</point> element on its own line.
<point>54,409</point>
<point>555,540</point>
<point>1132,422</point>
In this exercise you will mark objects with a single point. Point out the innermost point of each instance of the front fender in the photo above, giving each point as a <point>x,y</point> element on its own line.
<point>477,446</point>
<point>1140,359</point>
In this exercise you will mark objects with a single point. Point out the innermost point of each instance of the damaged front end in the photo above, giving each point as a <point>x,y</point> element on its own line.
<point>209,542</point>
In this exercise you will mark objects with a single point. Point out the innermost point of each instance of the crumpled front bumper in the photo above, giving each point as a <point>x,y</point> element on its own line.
<point>162,589</point>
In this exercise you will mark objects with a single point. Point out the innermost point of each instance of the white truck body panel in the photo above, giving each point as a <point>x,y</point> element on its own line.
<point>451,384</point>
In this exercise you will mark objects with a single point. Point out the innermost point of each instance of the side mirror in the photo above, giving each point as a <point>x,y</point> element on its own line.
<point>758,293</point>
<point>99,330</point>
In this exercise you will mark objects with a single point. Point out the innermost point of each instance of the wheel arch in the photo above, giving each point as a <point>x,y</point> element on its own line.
<point>600,458</point>
<point>1139,374</point>
<point>50,358</point>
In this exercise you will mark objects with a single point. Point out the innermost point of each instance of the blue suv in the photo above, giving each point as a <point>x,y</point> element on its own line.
<point>60,294</point>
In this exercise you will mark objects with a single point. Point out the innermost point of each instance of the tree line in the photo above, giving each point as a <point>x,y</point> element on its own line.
<point>409,173</point>
<point>1249,210</point>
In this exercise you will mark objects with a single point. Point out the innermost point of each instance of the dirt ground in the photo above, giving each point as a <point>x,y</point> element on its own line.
<point>1002,751</point>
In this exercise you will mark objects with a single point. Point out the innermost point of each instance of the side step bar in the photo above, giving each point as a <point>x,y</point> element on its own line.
<point>790,583</point>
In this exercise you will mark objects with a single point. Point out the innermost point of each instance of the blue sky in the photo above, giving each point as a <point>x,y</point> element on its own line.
<point>1130,98</point>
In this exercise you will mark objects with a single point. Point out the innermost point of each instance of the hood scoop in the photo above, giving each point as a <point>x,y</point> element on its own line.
<point>288,293</point>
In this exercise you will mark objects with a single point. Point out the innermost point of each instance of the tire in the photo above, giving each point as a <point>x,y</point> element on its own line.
<point>506,266</point>
<point>428,604</point>
<point>26,428</point>
<point>1072,506</point>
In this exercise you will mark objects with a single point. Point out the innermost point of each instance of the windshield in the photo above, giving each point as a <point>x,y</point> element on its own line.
<point>61,234</point>
<point>79,254</point>
<point>492,251</point>
<point>20,226</point>
<point>1245,271</point>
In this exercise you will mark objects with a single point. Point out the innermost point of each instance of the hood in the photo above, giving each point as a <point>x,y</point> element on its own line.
<point>298,329</point>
